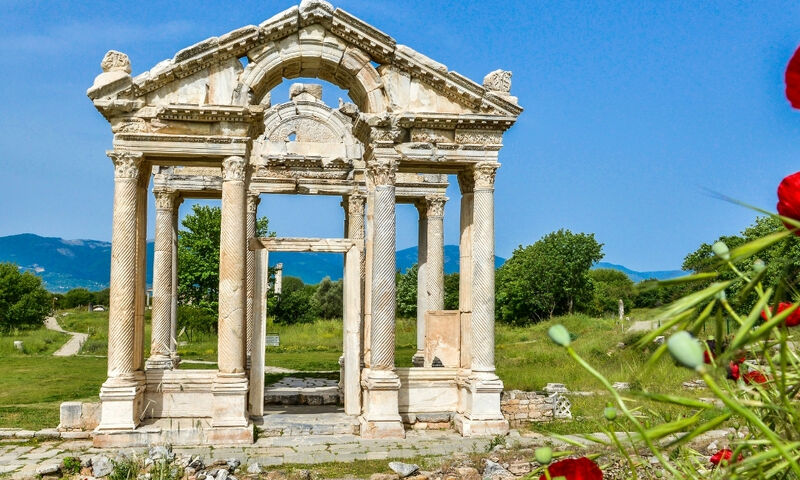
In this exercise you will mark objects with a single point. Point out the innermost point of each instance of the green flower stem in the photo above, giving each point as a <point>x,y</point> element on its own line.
<point>751,417</point>
<point>731,312</point>
<point>623,450</point>
<point>624,408</point>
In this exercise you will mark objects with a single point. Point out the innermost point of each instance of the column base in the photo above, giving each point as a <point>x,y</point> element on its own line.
<point>481,414</point>
<point>230,400</point>
<point>159,362</point>
<point>418,360</point>
<point>381,418</point>
<point>122,402</point>
<point>176,360</point>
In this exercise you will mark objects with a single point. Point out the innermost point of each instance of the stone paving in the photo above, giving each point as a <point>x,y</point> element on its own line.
<point>21,461</point>
<point>302,391</point>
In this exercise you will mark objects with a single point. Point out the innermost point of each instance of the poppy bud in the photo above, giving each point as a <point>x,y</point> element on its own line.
<point>759,265</point>
<point>721,296</point>
<point>559,335</point>
<point>685,349</point>
<point>721,250</point>
<point>610,413</point>
<point>544,455</point>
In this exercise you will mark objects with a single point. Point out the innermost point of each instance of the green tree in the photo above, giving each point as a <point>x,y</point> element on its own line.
<point>406,284</point>
<point>24,303</point>
<point>198,256</point>
<point>782,261</point>
<point>550,277</point>
<point>327,299</point>
<point>77,297</point>
<point>451,282</point>
<point>610,286</point>
<point>295,304</point>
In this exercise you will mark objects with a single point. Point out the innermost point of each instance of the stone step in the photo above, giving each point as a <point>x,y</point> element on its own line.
<point>307,420</point>
<point>302,391</point>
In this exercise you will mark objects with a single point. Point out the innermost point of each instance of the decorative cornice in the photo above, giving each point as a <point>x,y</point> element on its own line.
<point>233,169</point>
<point>126,164</point>
<point>484,175</point>
<point>382,171</point>
<point>217,113</point>
<point>435,205</point>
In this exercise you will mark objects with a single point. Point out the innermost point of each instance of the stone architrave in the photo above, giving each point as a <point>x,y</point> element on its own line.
<point>121,392</point>
<point>230,386</point>
<point>161,312</point>
<point>381,417</point>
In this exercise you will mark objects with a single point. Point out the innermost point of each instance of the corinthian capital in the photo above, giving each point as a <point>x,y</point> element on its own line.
<point>233,168</point>
<point>435,205</point>
<point>165,199</point>
<point>252,202</point>
<point>126,164</point>
<point>382,171</point>
<point>355,204</point>
<point>484,175</point>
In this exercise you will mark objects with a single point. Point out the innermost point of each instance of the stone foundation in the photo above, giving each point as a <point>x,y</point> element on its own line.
<point>520,407</point>
<point>79,416</point>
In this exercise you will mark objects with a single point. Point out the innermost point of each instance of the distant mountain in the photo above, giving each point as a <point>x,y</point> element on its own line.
<point>639,276</point>
<point>63,264</point>
<point>67,264</point>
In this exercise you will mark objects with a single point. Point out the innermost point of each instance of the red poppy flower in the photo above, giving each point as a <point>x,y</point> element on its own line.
<point>575,469</point>
<point>792,78</point>
<point>789,198</point>
<point>792,320</point>
<point>754,376</point>
<point>724,454</point>
<point>707,356</point>
<point>733,371</point>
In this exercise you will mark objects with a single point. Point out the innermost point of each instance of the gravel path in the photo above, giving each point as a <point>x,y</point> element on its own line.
<point>73,345</point>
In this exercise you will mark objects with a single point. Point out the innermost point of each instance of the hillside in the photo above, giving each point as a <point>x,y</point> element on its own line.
<point>66,264</point>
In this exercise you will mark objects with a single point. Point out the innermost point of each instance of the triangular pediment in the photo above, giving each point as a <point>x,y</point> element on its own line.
<point>286,45</point>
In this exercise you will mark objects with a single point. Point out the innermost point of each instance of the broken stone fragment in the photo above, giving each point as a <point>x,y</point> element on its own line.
<point>498,81</point>
<point>404,469</point>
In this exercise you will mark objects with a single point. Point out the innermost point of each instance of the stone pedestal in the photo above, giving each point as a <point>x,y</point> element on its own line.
<point>381,417</point>
<point>481,413</point>
<point>121,403</point>
<point>230,400</point>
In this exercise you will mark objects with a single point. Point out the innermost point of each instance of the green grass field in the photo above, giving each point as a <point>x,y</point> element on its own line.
<point>34,382</point>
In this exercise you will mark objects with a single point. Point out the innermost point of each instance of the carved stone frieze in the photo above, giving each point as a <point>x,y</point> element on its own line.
<point>430,135</point>
<point>126,164</point>
<point>304,129</point>
<point>484,175</point>
<point>479,137</point>
<point>233,169</point>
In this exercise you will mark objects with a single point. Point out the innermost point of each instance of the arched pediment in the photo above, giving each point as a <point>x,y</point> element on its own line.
<point>312,40</point>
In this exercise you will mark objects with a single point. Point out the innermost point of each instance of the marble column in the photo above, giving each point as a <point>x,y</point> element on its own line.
<point>381,418</point>
<point>230,385</point>
<point>161,312</point>
<point>482,415</point>
<point>278,287</point>
<point>252,215</point>
<point>368,256</point>
<point>141,265</point>
<point>466,183</point>
<point>353,300</point>
<point>121,393</point>
<point>173,345</point>
<point>422,284</point>
<point>434,269</point>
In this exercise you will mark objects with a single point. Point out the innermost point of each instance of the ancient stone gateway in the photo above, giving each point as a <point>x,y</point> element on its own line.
<point>202,125</point>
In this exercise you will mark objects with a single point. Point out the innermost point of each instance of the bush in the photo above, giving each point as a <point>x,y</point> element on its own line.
<point>24,303</point>
<point>195,320</point>
<point>327,301</point>
<point>610,286</point>
<point>295,303</point>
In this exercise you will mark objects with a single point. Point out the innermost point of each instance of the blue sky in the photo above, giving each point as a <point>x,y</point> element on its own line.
<point>633,111</point>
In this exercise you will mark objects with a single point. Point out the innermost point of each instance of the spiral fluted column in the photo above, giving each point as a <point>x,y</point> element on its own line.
<point>483,269</point>
<point>161,312</point>
<point>173,345</point>
<point>121,393</point>
<point>434,274</point>
<point>230,386</point>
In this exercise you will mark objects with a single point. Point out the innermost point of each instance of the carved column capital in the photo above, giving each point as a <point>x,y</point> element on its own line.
<point>233,169</point>
<point>382,171</point>
<point>166,199</point>
<point>484,174</point>
<point>253,200</point>
<point>355,204</point>
<point>435,205</point>
<point>466,182</point>
<point>126,164</point>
